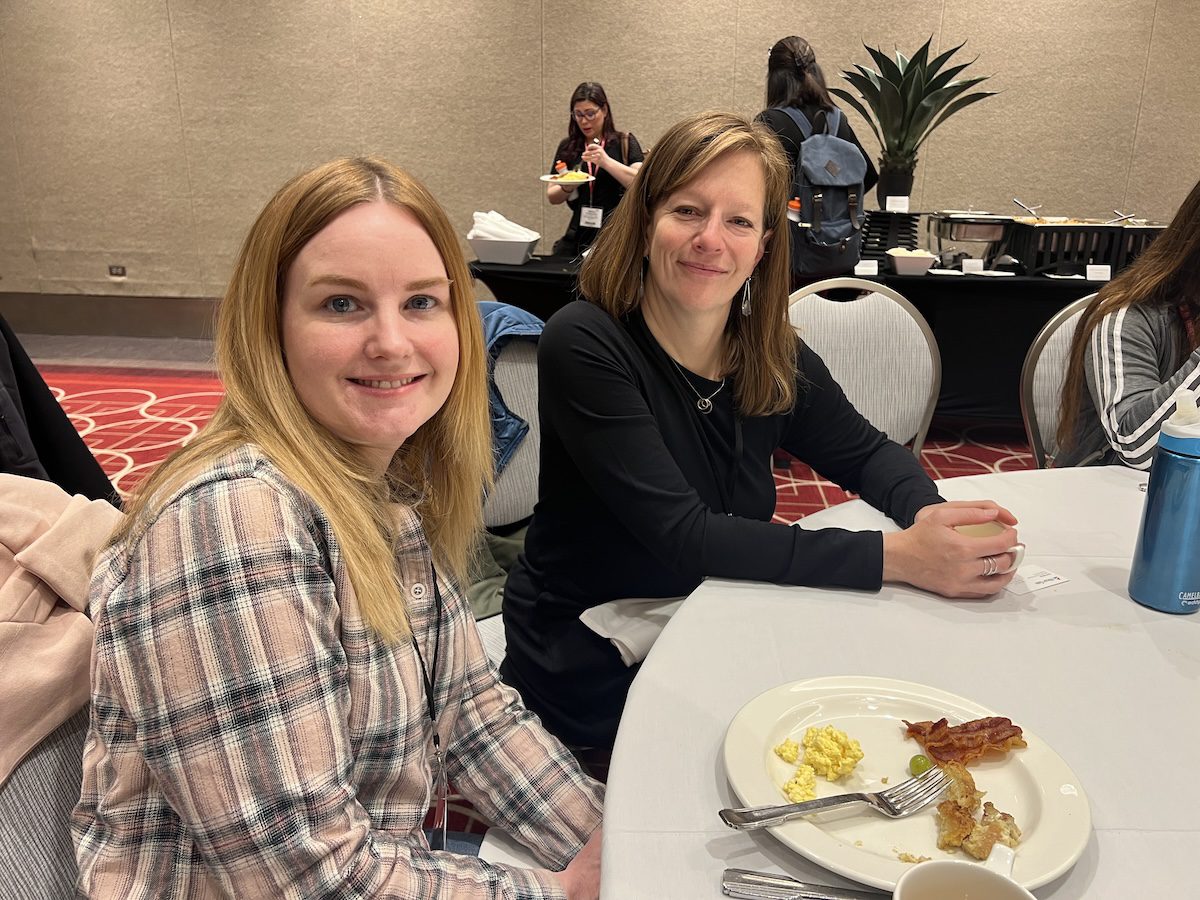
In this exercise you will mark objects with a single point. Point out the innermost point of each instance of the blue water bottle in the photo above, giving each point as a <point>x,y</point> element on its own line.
<point>1166,564</point>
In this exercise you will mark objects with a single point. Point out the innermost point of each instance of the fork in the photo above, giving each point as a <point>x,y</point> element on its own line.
<point>896,802</point>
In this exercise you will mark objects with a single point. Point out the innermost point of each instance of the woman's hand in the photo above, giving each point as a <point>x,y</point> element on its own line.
<point>595,155</point>
<point>581,878</point>
<point>933,556</point>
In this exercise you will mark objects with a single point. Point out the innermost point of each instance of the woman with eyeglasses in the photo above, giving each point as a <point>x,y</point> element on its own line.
<point>594,146</point>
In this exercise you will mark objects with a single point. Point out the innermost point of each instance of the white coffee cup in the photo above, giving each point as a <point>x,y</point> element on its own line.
<point>989,529</point>
<point>958,879</point>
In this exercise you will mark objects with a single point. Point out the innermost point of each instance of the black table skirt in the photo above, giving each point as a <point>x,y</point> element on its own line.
<point>983,324</point>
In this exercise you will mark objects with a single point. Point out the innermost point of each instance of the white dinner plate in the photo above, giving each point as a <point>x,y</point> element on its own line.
<point>1033,784</point>
<point>944,271</point>
<point>554,179</point>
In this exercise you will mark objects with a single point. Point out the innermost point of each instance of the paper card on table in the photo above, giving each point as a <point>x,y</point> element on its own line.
<point>972,265</point>
<point>866,267</point>
<point>896,204</point>
<point>1099,273</point>
<point>1033,578</point>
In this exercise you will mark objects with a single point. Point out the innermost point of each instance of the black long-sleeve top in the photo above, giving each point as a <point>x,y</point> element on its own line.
<point>642,495</point>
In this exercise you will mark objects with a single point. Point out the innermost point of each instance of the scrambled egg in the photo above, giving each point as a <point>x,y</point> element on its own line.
<point>788,751</point>
<point>830,752</point>
<point>802,786</point>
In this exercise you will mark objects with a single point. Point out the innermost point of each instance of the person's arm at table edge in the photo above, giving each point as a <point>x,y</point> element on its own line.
<point>595,408</point>
<point>1130,399</point>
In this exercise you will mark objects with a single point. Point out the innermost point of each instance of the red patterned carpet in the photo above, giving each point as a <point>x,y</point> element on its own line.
<point>133,418</point>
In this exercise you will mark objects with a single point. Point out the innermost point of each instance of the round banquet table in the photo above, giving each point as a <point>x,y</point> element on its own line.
<point>1108,684</point>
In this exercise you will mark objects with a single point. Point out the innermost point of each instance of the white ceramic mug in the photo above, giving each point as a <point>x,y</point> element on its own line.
<point>958,879</point>
<point>987,529</point>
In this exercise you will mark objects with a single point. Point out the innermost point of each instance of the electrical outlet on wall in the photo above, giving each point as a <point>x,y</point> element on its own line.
<point>116,271</point>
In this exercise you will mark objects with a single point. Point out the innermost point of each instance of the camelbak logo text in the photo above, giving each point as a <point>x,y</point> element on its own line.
<point>1190,598</point>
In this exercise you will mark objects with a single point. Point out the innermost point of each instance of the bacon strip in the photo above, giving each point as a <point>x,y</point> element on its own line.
<point>967,742</point>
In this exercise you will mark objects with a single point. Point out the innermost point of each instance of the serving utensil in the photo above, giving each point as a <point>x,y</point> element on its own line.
<point>1032,210</point>
<point>750,885</point>
<point>1120,217</point>
<point>896,802</point>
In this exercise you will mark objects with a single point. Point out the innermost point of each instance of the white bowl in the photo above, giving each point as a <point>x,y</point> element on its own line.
<point>511,253</point>
<point>905,264</point>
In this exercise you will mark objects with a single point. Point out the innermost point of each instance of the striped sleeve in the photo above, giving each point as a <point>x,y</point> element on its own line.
<point>1132,394</point>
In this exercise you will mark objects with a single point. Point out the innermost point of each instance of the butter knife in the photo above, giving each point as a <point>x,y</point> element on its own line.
<point>750,885</point>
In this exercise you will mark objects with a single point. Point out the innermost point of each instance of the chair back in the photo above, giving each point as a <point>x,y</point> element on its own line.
<point>515,493</point>
<point>879,348</point>
<point>37,855</point>
<point>1042,378</point>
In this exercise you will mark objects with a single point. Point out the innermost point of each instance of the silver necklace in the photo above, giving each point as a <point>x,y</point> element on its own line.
<point>704,404</point>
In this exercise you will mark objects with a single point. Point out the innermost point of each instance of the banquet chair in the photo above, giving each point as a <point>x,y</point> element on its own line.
<point>879,348</point>
<point>515,492</point>
<point>37,856</point>
<point>1042,378</point>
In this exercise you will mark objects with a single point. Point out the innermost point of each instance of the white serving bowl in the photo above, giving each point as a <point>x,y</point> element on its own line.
<point>511,253</point>
<point>910,264</point>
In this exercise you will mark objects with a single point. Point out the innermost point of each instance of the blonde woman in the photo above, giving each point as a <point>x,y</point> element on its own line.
<point>661,402</point>
<point>285,672</point>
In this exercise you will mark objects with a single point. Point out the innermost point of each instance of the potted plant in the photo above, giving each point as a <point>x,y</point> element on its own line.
<point>903,103</point>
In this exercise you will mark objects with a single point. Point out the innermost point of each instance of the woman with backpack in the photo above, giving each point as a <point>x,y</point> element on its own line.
<point>662,397</point>
<point>592,145</point>
<point>796,84</point>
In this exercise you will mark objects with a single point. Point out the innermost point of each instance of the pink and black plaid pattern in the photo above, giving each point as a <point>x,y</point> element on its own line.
<point>250,737</point>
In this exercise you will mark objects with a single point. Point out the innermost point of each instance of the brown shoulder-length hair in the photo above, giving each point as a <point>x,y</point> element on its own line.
<point>761,347</point>
<point>443,468</point>
<point>1167,272</point>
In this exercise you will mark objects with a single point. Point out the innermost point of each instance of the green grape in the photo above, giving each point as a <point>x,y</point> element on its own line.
<point>919,764</point>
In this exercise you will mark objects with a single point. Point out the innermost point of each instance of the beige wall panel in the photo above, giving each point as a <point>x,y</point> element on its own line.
<point>658,62</point>
<point>1166,150</point>
<point>1061,133</point>
<point>18,269</point>
<point>267,90</point>
<point>451,92</point>
<point>97,130</point>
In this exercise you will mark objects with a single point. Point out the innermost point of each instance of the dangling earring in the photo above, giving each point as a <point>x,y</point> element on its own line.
<point>746,297</point>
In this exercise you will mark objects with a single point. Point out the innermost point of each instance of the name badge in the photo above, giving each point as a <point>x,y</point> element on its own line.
<point>591,216</point>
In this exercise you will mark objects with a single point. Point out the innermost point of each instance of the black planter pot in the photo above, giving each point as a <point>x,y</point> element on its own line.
<point>893,183</point>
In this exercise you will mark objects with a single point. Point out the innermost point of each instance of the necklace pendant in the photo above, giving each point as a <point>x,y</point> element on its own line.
<point>704,405</point>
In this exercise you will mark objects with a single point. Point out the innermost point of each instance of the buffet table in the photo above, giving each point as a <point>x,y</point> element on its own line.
<point>1109,685</point>
<point>983,325</point>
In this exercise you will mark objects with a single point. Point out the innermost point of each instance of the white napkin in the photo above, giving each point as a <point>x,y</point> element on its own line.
<point>631,625</point>
<point>491,226</point>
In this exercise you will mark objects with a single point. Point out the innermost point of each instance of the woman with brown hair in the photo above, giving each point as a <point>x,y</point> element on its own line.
<point>1135,345</point>
<point>593,145</point>
<point>662,397</point>
<point>285,672</point>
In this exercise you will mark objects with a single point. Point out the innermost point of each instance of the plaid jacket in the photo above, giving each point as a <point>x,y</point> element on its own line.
<point>249,737</point>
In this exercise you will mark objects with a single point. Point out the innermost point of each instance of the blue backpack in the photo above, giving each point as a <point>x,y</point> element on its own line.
<point>829,182</point>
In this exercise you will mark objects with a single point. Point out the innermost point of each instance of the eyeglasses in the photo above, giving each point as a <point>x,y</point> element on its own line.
<point>585,115</point>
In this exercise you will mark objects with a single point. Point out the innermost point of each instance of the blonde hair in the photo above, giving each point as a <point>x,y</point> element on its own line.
<point>442,470</point>
<point>761,347</point>
<point>1166,273</point>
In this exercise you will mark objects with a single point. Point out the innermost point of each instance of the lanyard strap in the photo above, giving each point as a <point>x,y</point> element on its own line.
<point>592,169</point>
<point>438,840</point>
<point>428,675</point>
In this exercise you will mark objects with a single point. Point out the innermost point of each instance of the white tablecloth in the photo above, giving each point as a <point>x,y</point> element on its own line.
<point>1110,685</point>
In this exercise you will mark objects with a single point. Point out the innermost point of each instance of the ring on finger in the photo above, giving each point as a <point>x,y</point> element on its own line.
<point>990,566</point>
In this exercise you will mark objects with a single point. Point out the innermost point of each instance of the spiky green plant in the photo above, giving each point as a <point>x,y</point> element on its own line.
<point>907,99</point>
